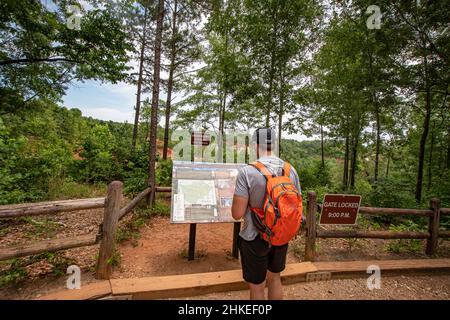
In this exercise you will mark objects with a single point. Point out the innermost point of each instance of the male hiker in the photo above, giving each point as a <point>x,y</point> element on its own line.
<point>268,196</point>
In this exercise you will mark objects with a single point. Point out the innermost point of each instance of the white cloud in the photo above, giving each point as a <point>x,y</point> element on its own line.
<point>120,88</point>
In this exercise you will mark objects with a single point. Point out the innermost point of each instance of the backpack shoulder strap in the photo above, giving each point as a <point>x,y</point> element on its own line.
<point>262,168</point>
<point>287,169</point>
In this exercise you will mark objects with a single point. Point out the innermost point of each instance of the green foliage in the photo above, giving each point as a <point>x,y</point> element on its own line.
<point>28,164</point>
<point>392,192</point>
<point>115,260</point>
<point>16,272</point>
<point>57,260</point>
<point>41,55</point>
<point>164,173</point>
<point>41,227</point>
<point>136,171</point>
<point>405,245</point>
<point>62,189</point>
<point>160,208</point>
<point>13,275</point>
<point>97,164</point>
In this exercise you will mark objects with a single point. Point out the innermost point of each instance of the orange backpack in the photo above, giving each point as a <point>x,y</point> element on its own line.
<point>280,218</point>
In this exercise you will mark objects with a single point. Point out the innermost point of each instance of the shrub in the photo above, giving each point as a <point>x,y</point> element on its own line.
<point>392,192</point>
<point>405,245</point>
<point>164,173</point>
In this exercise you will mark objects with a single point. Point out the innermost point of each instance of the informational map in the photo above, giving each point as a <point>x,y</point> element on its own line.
<point>203,192</point>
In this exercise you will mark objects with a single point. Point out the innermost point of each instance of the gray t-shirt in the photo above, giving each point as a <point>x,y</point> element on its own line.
<point>251,184</point>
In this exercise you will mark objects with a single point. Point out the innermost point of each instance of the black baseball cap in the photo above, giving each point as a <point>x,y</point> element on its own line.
<point>264,136</point>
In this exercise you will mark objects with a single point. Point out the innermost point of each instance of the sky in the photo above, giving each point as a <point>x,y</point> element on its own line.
<point>102,101</point>
<point>111,102</point>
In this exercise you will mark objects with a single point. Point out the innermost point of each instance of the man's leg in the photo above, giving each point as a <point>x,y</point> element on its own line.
<point>274,286</point>
<point>254,261</point>
<point>257,291</point>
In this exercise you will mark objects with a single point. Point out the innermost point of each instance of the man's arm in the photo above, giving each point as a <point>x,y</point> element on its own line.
<point>295,179</point>
<point>239,207</point>
<point>241,194</point>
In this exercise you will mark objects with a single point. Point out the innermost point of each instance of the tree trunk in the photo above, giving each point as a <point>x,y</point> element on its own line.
<point>321,146</point>
<point>388,164</point>
<point>345,176</point>
<point>448,147</point>
<point>223,105</point>
<point>354,157</point>
<point>139,83</point>
<point>378,142</point>
<point>269,93</point>
<point>430,159</point>
<point>355,144</point>
<point>272,65</point>
<point>423,138</point>
<point>170,82</point>
<point>376,109</point>
<point>281,111</point>
<point>219,141</point>
<point>155,101</point>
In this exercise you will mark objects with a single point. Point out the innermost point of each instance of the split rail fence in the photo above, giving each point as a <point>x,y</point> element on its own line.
<point>106,235</point>
<point>434,214</point>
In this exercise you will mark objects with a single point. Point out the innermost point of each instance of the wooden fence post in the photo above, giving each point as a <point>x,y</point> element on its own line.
<point>110,219</point>
<point>433,226</point>
<point>310,244</point>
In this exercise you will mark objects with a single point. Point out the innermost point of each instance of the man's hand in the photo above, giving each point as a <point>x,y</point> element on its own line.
<point>239,207</point>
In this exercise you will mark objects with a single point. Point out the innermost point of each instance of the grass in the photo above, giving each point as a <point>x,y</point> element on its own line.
<point>41,227</point>
<point>63,189</point>
<point>4,230</point>
<point>160,208</point>
<point>200,253</point>
<point>298,248</point>
<point>405,245</point>
<point>16,272</point>
<point>116,259</point>
<point>131,230</point>
<point>353,243</point>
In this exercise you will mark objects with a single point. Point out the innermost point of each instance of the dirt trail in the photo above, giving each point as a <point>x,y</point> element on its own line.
<point>162,250</point>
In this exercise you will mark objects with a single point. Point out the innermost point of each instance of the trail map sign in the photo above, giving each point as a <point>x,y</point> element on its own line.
<point>340,209</point>
<point>203,192</point>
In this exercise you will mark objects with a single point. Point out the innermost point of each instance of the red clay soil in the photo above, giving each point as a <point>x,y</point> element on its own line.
<point>162,250</point>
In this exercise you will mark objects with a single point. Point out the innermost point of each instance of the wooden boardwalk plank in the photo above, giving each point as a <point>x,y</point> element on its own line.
<point>196,284</point>
<point>91,291</point>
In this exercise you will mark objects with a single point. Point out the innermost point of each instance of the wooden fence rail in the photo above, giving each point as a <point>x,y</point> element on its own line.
<point>46,246</point>
<point>133,203</point>
<point>33,209</point>
<point>432,236</point>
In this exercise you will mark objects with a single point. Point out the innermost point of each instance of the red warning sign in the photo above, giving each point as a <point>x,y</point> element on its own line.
<point>340,209</point>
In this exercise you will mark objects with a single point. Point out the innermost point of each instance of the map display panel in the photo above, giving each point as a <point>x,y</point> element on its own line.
<point>203,192</point>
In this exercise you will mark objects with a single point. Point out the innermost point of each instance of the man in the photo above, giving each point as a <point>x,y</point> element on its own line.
<point>261,261</point>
